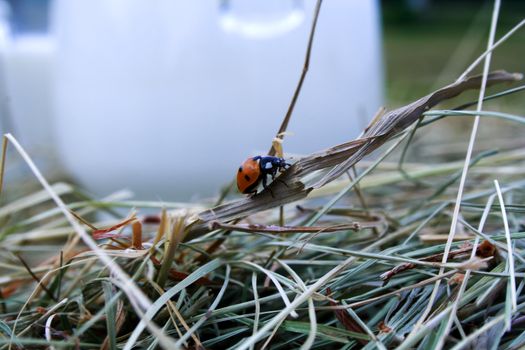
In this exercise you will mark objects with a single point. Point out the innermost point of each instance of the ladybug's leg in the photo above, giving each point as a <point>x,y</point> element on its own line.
<point>274,171</point>
<point>264,181</point>
<point>265,185</point>
<point>253,192</point>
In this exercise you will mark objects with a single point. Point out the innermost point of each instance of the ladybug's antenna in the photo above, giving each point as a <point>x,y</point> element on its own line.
<point>286,120</point>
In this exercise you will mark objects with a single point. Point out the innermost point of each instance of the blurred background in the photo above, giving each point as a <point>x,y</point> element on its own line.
<point>167,98</point>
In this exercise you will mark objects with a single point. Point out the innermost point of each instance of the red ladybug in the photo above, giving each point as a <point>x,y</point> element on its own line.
<point>255,169</point>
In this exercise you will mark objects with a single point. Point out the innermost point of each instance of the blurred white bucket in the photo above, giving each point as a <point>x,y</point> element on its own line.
<point>168,97</point>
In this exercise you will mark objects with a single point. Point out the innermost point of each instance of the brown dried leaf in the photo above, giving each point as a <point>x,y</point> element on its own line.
<point>383,327</point>
<point>457,279</point>
<point>486,249</point>
<point>136,236</point>
<point>343,317</point>
<point>123,223</point>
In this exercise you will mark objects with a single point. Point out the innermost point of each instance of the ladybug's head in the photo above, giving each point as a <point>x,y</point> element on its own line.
<point>278,162</point>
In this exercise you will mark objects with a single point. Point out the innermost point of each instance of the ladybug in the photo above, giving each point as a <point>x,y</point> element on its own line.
<point>255,169</point>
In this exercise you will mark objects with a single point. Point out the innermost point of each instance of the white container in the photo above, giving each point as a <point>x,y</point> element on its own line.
<point>167,97</point>
<point>26,83</point>
<point>29,78</point>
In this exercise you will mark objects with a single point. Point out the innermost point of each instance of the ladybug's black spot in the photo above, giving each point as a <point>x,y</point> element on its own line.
<point>247,178</point>
<point>240,169</point>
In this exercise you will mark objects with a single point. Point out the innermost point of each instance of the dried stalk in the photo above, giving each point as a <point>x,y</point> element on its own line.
<point>254,228</point>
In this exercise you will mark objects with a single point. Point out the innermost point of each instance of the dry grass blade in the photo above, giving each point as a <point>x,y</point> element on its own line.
<point>173,238</point>
<point>286,120</point>
<point>355,226</point>
<point>482,251</point>
<point>510,254</point>
<point>289,188</point>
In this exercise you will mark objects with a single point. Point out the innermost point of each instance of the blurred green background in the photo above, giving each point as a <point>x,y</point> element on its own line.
<point>428,44</point>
